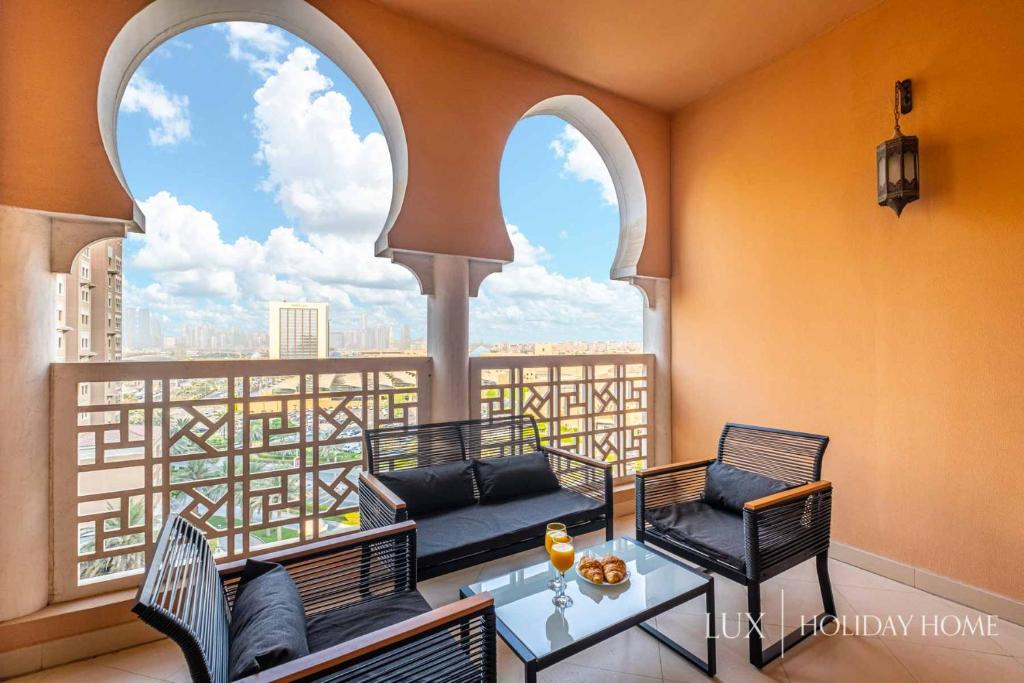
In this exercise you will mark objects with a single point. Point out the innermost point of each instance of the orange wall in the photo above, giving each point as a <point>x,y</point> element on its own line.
<point>800,303</point>
<point>458,103</point>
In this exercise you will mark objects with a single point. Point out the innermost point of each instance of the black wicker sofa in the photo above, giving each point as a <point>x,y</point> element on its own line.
<point>478,489</point>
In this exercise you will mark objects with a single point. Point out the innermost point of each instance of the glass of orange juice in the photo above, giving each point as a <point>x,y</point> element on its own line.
<point>553,528</point>
<point>555,531</point>
<point>563,555</point>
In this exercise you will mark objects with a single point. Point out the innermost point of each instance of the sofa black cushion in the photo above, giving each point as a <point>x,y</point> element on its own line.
<point>433,488</point>
<point>268,623</point>
<point>341,625</point>
<point>478,529</point>
<point>713,531</point>
<point>729,487</point>
<point>514,476</point>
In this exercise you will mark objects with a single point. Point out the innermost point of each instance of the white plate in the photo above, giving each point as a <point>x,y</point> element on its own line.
<point>605,584</point>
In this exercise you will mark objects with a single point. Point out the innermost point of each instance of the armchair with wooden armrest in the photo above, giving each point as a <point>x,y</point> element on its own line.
<point>189,597</point>
<point>761,538</point>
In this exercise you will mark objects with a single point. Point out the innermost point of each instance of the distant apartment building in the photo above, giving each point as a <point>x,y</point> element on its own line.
<point>298,330</point>
<point>89,314</point>
<point>142,330</point>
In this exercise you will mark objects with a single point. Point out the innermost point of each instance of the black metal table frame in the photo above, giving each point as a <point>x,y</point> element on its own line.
<point>535,664</point>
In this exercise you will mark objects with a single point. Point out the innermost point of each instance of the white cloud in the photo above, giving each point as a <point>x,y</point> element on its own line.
<point>581,161</point>
<point>529,302</point>
<point>258,45</point>
<point>334,184</point>
<point>168,110</point>
<point>194,269</point>
<point>327,177</point>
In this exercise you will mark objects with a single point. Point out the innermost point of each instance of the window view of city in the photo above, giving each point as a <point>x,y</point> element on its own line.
<point>265,178</point>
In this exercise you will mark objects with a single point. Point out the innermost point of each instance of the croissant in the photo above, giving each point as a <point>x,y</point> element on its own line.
<point>614,569</point>
<point>590,568</point>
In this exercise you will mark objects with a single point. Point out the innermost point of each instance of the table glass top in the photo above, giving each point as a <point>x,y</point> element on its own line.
<point>522,598</point>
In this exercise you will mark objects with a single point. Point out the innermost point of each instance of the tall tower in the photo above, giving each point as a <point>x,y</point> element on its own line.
<point>298,330</point>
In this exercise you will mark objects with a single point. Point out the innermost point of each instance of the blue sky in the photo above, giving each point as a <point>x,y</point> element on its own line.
<point>260,167</point>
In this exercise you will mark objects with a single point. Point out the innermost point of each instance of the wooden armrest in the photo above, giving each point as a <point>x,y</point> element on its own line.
<point>674,467</point>
<point>382,491</point>
<point>787,495</point>
<point>286,555</point>
<point>371,642</point>
<point>582,459</point>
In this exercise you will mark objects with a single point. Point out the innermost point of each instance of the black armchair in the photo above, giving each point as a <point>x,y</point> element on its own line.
<point>772,534</point>
<point>351,580</point>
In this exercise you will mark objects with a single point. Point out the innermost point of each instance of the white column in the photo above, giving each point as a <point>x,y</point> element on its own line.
<point>448,338</point>
<point>658,341</point>
<point>27,343</point>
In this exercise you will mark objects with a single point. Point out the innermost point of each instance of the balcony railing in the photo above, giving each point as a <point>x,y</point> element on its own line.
<point>266,453</point>
<point>255,453</point>
<point>600,406</point>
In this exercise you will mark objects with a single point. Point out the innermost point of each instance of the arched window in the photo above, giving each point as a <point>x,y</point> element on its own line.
<point>265,178</point>
<point>562,211</point>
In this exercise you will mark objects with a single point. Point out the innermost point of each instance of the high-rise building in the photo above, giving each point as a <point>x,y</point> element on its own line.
<point>298,330</point>
<point>89,320</point>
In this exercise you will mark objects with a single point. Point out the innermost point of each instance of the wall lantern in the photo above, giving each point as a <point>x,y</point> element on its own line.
<point>897,158</point>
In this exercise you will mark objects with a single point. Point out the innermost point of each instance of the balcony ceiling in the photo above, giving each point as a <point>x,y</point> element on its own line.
<point>664,53</point>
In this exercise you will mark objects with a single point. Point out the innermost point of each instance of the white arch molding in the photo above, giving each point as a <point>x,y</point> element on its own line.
<point>163,19</point>
<point>613,149</point>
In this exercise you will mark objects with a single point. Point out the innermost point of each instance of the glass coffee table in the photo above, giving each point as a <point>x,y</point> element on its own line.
<point>541,634</point>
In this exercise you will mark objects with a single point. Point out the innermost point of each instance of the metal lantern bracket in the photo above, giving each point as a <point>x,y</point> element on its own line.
<point>906,96</point>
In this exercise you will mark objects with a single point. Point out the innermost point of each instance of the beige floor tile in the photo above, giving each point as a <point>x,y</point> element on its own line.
<point>728,669</point>
<point>632,652</point>
<point>564,672</point>
<point>86,671</point>
<point>805,571</point>
<point>444,590</point>
<point>790,602</point>
<point>732,654</point>
<point>943,665</point>
<point>919,610</point>
<point>162,660</point>
<point>1010,637</point>
<point>843,574</point>
<point>842,659</point>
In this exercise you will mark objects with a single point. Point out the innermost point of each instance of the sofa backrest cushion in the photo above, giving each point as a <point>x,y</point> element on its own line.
<point>434,488</point>
<point>514,476</point>
<point>728,488</point>
<point>268,622</point>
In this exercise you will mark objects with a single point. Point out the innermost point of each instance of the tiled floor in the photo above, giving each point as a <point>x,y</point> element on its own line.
<point>635,657</point>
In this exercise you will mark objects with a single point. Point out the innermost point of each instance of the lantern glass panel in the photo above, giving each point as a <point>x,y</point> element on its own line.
<point>909,166</point>
<point>893,160</point>
<point>881,173</point>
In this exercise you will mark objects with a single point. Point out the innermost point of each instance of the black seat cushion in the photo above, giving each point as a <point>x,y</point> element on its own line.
<point>713,531</point>
<point>729,487</point>
<point>433,488</point>
<point>268,623</point>
<point>477,529</point>
<point>341,625</point>
<point>514,476</point>
<point>448,661</point>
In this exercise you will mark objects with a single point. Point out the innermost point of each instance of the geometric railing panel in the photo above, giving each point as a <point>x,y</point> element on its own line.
<point>597,406</point>
<point>257,454</point>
